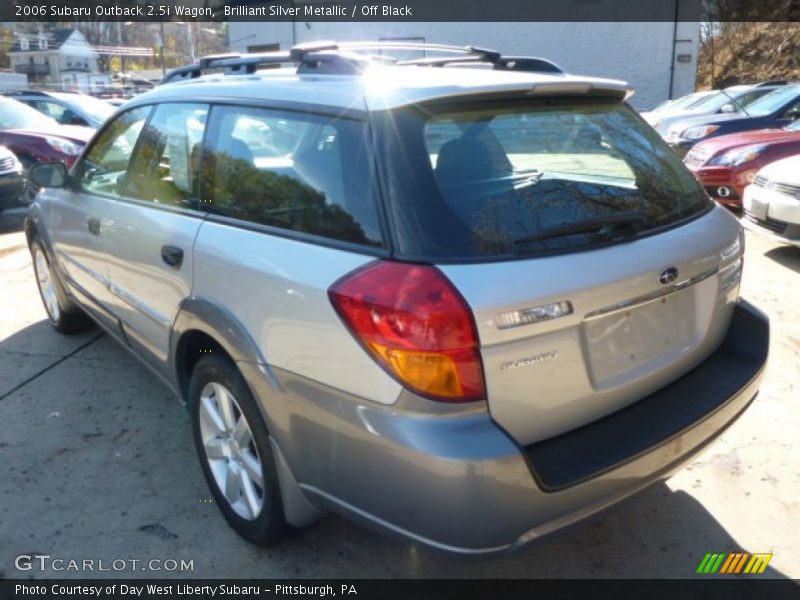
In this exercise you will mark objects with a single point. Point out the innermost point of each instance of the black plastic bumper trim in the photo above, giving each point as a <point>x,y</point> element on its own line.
<point>583,453</point>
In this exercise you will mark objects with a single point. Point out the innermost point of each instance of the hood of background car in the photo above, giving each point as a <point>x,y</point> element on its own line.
<point>73,133</point>
<point>745,138</point>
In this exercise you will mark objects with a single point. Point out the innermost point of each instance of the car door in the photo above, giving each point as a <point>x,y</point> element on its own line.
<point>77,223</point>
<point>152,228</point>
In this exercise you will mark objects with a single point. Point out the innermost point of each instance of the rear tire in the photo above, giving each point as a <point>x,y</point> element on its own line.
<point>232,444</point>
<point>64,316</point>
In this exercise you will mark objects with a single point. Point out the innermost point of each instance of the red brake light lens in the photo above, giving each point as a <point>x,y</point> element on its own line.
<point>417,327</point>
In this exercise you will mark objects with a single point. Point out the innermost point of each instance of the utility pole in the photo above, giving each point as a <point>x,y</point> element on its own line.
<point>163,66</point>
<point>190,39</point>
<point>119,44</point>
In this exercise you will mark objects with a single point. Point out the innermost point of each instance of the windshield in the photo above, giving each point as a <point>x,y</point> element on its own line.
<point>527,177</point>
<point>707,100</point>
<point>16,115</point>
<point>689,101</point>
<point>98,109</point>
<point>773,101</point>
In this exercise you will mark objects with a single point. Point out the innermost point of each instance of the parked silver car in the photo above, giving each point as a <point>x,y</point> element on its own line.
<point>465,306</point>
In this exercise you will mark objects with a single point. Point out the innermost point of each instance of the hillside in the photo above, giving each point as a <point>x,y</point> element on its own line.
<point>750,52</point>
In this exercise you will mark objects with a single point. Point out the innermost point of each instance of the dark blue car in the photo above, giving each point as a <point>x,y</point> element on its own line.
<point>775,110</point>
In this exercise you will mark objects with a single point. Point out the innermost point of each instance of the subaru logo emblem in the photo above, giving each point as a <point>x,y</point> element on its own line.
<point>668,275</point>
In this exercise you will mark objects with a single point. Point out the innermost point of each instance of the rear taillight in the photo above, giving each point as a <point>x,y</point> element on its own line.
<point>416,325</point>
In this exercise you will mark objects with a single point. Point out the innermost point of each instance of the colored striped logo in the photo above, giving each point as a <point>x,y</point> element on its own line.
<point>734,563</point>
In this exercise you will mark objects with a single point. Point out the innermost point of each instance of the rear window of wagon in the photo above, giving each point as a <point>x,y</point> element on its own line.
<point>517,178</point>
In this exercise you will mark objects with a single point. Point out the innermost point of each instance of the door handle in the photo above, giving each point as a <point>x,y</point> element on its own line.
<point>172,255</point>
<point>94,226</point>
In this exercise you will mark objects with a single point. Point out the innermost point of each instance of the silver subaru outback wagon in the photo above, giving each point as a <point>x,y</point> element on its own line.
<point>465,299</point>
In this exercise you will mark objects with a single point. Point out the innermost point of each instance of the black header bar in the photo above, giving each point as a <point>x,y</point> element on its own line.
<point>400,10</point>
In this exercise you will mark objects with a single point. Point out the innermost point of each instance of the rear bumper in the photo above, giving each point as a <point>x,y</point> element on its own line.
<point>778,231</point>
<point>458,483</point>
<point>772,214</point>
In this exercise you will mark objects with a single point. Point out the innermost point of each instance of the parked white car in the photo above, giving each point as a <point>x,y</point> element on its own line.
<point>772,202</point>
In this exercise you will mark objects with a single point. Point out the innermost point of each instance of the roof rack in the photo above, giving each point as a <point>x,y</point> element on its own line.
<point>345,59</point>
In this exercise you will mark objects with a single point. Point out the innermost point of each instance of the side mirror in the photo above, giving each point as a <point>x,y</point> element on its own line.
<point>727,108</point>
<point>794,114</point>
<point>49,175</point>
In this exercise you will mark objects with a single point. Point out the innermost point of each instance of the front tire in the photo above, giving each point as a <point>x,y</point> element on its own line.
<point>64,316</point>
<point>232,443</point>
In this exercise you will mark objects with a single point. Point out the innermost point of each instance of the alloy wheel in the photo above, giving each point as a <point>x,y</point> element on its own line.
<point>231,451</point>
<point>44,279</point>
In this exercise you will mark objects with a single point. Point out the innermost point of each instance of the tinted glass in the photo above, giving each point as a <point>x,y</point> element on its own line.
<point>528,177</point>
<point>773,101</point>
<point>301,172</point>
<point>51,109</point>
<point>749,97</point>
<point>792,110</point>
<point>165,167</point>
<point>706,100</point>
<point>737,99</point>
<point>697,98</point>
<point>103,169</point>
<point>99,109</point>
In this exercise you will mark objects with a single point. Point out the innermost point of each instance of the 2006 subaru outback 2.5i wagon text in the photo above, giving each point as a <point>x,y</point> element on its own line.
<point>465,305</point>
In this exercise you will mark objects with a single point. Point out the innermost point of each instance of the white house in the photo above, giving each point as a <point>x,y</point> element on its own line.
<point>58,59</point>
<point>658,58</point>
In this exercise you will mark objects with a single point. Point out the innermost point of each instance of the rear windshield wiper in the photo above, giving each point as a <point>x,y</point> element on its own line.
<point>607,224</point>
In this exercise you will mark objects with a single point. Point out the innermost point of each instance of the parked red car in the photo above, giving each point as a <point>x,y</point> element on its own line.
<point>35,137</point>
<point>725,165</point>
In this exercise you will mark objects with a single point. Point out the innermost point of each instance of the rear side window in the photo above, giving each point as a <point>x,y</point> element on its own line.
<point>51,109</point>
<point>519,178</point>
<point>305,173</point>
<point>164,169</point>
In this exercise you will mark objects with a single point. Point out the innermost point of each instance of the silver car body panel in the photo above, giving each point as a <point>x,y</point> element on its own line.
<point>147,292</point>
<point>278,289</point>
<point>624,338</point>
<point>458,483</point>
<point>80,253</point>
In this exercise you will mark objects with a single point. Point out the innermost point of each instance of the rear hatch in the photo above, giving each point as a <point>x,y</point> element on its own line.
<point>596,268</point>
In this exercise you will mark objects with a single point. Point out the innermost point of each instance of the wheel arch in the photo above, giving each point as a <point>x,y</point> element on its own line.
<point>201,326</point>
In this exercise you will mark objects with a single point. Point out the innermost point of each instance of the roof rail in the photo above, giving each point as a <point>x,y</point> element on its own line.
<point>328,57</point>
<point>311,58</point>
